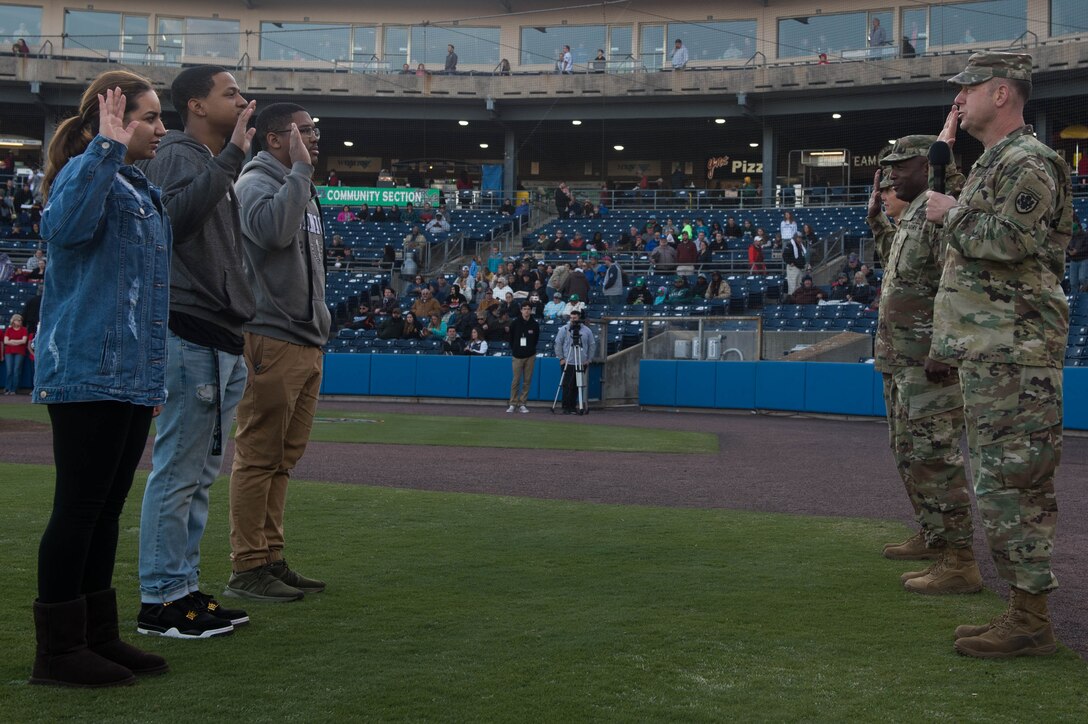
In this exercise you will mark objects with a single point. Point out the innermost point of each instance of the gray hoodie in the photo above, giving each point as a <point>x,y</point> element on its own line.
<point>207,271</point>
<point>284,246</point>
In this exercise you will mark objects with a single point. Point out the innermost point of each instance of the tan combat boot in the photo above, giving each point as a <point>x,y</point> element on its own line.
<point>1024,630</point>
<point>912,549</point>
<point>955,572</point>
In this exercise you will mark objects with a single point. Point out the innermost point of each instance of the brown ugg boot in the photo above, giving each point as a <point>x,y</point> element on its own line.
<point>1024,630</point>
<point>912,549</point>
<point>104,638</point>
<point>63,658</point>
<point>955,572</point>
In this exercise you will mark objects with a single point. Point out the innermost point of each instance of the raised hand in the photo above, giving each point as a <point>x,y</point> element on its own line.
<point>111,117</point>
<point>297,148</point>
<point>951,125</point>
<point>242,137</point>
<point>874,197</point>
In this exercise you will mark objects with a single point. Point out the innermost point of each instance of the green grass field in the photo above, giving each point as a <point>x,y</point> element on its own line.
<point>481,608</point>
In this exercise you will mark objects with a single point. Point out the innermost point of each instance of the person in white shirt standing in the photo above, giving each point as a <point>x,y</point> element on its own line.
<point>679,56</point>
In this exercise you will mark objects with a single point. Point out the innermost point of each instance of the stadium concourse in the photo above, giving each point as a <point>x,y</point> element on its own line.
<point>772,463</point>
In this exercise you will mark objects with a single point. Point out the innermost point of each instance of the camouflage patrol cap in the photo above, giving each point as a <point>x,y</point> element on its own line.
<point>981,67</point>
<point>909,147</point>
<point>885,180</point>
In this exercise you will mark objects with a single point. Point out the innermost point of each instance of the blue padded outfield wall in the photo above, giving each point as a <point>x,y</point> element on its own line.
<point>825,387</point>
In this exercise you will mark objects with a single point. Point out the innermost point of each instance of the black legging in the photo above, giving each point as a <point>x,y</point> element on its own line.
<point>96,448</point>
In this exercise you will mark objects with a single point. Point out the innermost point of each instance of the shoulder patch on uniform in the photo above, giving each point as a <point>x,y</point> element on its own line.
<point>1026,201</point>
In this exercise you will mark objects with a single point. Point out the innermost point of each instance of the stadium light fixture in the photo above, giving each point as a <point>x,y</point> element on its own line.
<point>753,144</point>
<point>483,145</point>
<point>462,123</point>
<point>315,119</point>
<point>719,121</point>
<point>836,116</point>
<point>349,144</point>
<point>618,147</point>
<point>575,123</point>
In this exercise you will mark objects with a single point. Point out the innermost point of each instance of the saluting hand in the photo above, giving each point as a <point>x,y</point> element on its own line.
<point>242,136</point>
<point>874,197</point>
<point>951,125</point>
<point>297,149</point>
<point>111,117</point>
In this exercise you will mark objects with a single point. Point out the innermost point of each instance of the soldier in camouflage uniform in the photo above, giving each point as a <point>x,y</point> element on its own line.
<point>1001,317</point>
<point>925,418</point>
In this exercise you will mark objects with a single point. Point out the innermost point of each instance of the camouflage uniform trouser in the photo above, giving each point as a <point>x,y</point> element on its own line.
<point>1014,431</point>
<point>925,424</point>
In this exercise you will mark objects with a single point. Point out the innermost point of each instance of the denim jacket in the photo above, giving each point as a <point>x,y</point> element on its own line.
<point>102,334</point>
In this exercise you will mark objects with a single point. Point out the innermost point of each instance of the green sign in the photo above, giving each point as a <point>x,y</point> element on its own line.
<point>359,195</point>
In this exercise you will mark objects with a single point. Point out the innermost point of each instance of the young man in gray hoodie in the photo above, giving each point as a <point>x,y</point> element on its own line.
<point>284,247</point>
<point>210,300</point>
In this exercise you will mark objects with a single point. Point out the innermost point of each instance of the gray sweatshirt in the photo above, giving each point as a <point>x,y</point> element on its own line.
<point>207,271</point>
<point>284,246</point>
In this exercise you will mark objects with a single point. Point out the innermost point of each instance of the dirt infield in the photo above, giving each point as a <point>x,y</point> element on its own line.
<point>774,463</point>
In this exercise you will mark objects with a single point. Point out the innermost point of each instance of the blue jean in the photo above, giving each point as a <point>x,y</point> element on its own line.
<point>13,370</point>
<point>1078,275</point>
<point>175,507</point>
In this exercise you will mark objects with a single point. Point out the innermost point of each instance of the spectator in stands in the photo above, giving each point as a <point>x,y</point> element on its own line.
<point>699,289</point>
<point>640,294</point>
<point>338,252</point>
<point>438,225</point>
<point>411,328</point>
<point>686,254</point>
<point>612,284</point>
<point>576,284</point>
<point>20,48</point>
<point>488,303</point>
<point>679,62</point>
<point>436,328</point>
<point>38,275</point>
<point>554,308</point>
<point>393,215</point>
<point>415,244</point>
<point>663,257</point>
<point>681,292</point>
<point>523,335</point>
<point>718,288</point>
<point>536,305</point>
<point>563,200</point>
<point>870,275</point>
<point>32,261</point>
<point>456,298</point>
<point>345,215</point>
<point>406,69</point>
<point>15,351</point>
<point>661,296</point>
<point>508,305</point>
<point>441,289</point>
<point>426,213</point>
<point>421,70</point>
<point>363,214</point>
<point>861,291</point>
<point>521,213</point>
<point>788,227</point>
<point>732,229</point>
<point>452,342</point>
<point>600,62</point>
<point>100,414</point>
<point>853,265</point>
<point>809,234</point>
<point>379,215</point>
<point>388,302</point>
<point>392,328</point>
<point>477,345</point>
<point>501,288</point>
<point>504,67</point>
<point>574,303</point>
<point>795,256</point>
<point>565,64</point>
<point>426,305</point>
<point>416,286</point>
<point>408,214</point>
<point>756,264</point>
<point>451,60</point>
<point>840,288</point>
<point>807,293</point>
<point>363,319</point>
<point>333,180</point>
<point>506,208</point>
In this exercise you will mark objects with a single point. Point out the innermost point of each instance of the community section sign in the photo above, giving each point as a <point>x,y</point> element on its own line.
<point>357,195</point>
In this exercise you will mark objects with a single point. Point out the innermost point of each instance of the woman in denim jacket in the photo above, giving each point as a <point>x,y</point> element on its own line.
<point>100,368</point>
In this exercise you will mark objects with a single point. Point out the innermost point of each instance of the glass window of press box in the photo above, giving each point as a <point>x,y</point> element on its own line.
<point>474,46</point>
<point>710,41</point>
<point>20,21</point>
<point>198,38</point>
<point>305,41</point>
<point>1068,17</point>
<point>977,22</point>
<point>102,31</point>
<point>808,36</point>
<point>542,45</point>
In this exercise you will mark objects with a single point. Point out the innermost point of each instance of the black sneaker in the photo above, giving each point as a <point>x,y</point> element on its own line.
<point>236,616</point>
<point>186,618</point>
<point>294,579</point>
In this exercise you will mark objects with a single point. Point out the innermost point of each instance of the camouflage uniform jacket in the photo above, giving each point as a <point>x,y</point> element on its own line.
<point>1000,298</point>
<point>911,252</point>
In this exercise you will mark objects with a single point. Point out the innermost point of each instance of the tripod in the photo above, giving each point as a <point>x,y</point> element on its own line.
<point>577,368</point>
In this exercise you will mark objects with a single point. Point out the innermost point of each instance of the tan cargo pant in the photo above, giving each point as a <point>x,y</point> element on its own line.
<point>274,421</point>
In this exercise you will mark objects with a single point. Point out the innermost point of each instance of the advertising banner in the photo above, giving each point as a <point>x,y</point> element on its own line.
<point>359,195</point>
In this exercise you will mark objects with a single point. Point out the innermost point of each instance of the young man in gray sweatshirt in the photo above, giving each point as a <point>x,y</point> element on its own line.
<point>284,247</point>
<point>210,300</point>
